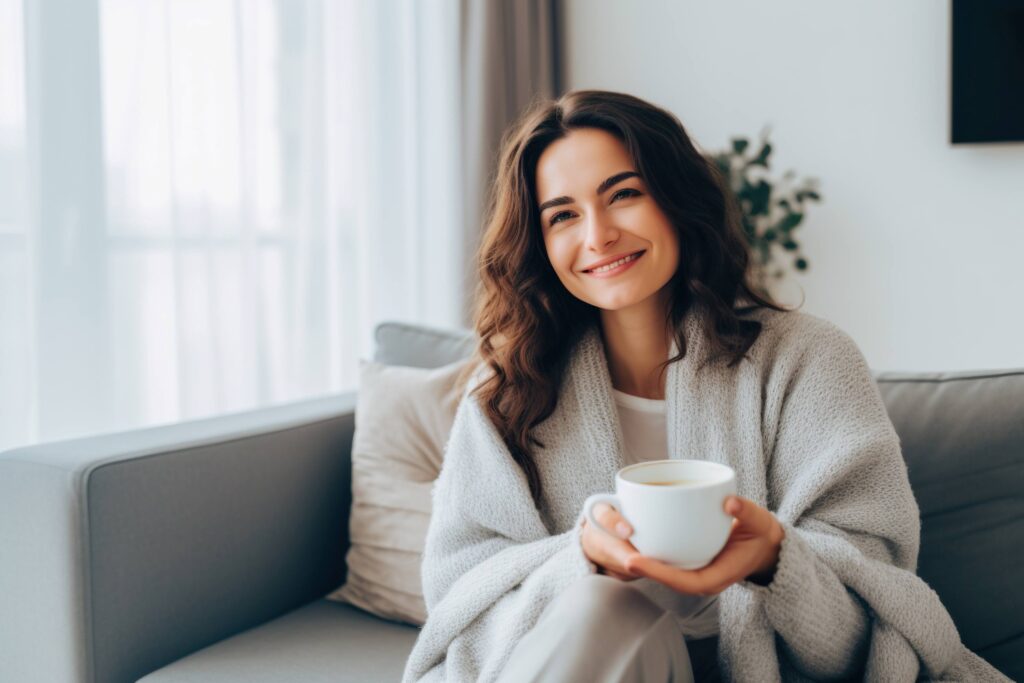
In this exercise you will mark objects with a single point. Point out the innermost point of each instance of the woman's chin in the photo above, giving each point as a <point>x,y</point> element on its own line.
<point>617,304</point>
<point>623,301</point>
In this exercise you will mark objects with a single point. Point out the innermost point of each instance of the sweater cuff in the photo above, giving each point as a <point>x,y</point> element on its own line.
<point>795,587</point>
<point>795,559</point>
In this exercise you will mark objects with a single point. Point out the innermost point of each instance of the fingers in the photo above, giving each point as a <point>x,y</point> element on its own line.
<point>610,519</point>
<point>749,514</point>
<point>611,554</point>
<point>692,582</point>
<point>620,576</point>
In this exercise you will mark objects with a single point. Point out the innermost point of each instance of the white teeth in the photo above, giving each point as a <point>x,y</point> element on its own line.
<point>616,264</point>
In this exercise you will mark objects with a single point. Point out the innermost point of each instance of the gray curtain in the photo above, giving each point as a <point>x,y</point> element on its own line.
<point>510,56</point>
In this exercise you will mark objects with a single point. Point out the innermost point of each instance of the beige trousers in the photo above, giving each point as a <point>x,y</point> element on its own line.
<point>602,630</point>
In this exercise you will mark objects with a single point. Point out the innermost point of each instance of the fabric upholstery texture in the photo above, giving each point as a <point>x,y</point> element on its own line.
<point>125,552</point>
<point>323,642</point>
<point>962,436</point>
<point>420,346</point>
<point>403,417</point>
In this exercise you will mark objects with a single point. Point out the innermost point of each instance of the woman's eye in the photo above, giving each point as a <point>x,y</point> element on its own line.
<point>627,192</point>
<point>557,216</point>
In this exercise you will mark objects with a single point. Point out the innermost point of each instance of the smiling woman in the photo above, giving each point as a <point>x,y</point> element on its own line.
<point>616,325</point>
<point>586,181</point>
<point>604,218</point>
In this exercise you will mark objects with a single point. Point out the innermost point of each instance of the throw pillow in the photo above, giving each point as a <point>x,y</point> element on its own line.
<point>403,418</point>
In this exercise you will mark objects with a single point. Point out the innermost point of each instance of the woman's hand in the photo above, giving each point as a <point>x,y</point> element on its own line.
<point>609,554</point>
<point>751,553</point>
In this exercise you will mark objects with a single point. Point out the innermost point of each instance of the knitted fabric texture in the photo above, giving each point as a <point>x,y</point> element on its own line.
<point>801,421</point>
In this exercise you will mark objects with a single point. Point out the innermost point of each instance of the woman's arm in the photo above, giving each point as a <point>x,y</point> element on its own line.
<point>490,566</point>
<point>835,475</point>
<point>824,627</point>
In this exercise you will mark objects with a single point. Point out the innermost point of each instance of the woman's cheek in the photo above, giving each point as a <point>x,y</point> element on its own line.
<point>560,255</point>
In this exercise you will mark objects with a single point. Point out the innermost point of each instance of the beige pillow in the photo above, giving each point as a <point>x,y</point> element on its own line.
<point>403,417</point>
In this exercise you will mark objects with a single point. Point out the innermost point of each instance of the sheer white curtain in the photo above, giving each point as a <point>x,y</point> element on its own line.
<point>218,200</point>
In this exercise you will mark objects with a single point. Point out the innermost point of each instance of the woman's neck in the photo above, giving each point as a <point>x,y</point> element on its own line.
<point>635,349</point>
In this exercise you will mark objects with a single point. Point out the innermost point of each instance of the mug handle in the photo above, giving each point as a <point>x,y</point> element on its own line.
<point>588,510</point>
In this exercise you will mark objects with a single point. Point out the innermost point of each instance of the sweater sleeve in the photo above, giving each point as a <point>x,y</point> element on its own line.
<point>490,565</point>
<point>835,474</point>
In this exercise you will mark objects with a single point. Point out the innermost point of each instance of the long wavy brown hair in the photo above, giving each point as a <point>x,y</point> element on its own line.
<point>527,322</point>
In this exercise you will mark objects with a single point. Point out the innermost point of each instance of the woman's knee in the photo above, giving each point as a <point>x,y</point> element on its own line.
<point>597,597</point>
<point>600,628</point>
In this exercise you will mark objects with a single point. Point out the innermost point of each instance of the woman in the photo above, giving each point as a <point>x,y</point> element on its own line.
<point>616,325</point>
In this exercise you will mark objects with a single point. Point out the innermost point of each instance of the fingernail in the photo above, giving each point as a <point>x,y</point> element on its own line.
<point>623,529</point>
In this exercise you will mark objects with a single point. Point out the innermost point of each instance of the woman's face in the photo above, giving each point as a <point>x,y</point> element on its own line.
<point>594,207</point>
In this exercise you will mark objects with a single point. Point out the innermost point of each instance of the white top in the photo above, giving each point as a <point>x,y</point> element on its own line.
<point>645,437</point>
<point>644,434</point>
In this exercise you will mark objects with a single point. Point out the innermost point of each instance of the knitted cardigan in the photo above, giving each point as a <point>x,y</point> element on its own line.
<point>801,421</point>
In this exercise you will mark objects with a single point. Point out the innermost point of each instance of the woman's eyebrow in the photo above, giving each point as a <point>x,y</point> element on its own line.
<point>614,180</point>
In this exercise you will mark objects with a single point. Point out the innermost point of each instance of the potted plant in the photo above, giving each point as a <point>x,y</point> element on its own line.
<point>771,211</point>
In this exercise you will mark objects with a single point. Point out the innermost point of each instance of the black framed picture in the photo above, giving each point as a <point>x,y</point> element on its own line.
<point>987,71</point>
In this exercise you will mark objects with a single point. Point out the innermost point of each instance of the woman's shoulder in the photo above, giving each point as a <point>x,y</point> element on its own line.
<point>797,332</point>
<point>789,321</point>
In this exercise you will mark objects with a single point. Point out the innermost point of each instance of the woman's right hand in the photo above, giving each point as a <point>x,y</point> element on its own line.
<point>609,554</point>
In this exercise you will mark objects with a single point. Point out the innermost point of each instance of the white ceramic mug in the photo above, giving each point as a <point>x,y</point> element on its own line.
<point>683,524</point>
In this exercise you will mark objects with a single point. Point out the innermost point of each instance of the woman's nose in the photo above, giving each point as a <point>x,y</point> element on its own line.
<point>599,231</point>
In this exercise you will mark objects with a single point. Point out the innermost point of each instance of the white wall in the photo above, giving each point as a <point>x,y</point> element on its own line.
<point>918,247</point>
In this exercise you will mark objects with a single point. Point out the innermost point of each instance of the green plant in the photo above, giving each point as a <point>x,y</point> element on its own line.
<point>771,210</point>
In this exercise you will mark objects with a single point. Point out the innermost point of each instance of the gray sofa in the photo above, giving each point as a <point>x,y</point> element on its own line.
<point>201,551</point>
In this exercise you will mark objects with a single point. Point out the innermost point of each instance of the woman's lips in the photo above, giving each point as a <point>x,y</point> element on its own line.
<point>618,269</point>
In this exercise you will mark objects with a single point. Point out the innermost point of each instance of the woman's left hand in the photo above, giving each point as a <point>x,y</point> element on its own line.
<point>751,553</point>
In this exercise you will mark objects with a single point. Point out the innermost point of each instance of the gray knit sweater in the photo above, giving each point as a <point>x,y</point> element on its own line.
<point>802,423</point>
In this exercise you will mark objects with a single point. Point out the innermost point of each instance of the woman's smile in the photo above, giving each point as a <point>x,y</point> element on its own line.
<point>617,267</point>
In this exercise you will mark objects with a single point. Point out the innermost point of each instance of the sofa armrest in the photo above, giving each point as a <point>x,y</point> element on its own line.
<point>124,552</point>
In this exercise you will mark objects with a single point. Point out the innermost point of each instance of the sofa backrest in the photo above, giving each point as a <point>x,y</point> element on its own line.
<point>962,436</point>
<point>419,345</point>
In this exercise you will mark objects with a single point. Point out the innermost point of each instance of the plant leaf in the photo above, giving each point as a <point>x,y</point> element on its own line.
<point>762,157</point>
<point>739,144</point>
<point>790,245</point>
<point>759,196</point>
<point>790,221</point>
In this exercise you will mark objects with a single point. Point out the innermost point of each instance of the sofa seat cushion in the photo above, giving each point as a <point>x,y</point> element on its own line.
<point>323,642</point>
